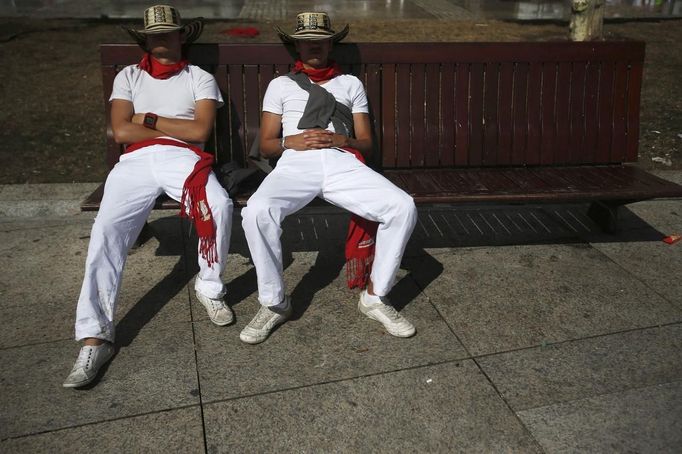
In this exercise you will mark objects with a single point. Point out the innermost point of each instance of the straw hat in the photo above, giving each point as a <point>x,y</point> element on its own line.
<point>164,19</point>
<point>312,26</point>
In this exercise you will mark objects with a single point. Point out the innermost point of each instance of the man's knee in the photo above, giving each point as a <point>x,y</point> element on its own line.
<point>221,203</point>
<point>405,209</point>
<point>259,211</point>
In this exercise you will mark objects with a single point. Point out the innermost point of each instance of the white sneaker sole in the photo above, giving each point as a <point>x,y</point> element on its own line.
<point>409,332</point>
<point>253,340</point>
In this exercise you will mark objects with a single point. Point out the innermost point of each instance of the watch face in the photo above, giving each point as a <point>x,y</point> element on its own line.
<point>148,120</point>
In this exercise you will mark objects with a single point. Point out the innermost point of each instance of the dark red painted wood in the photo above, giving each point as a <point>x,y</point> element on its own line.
<point>221,132</point>
<point>491,123</point>
<point>505,114</point>
<point>606,79</point>
<point>520,114</point>
<point>549,124</point>
<point>632,127</point>
<point>417,116</point>
<point>462,115</point>
<point>577,116</point>
<point>562,114</point>
<point>618,140</point>
<point>476,84</point>
<point>373,86</point>
<point>388,115</point>
<point>236,106</point>
<point>549,184</point>
<point>589,147</point>
<point>463,104</point>
<point>447,118</point>
<point>532,155</point>
<point>252,105</point>
<point>433,106</point>
<point>403,121</point>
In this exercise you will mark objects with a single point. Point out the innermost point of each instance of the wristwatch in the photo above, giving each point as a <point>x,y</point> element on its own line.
<point>150,120</point>
<point>284,147</point>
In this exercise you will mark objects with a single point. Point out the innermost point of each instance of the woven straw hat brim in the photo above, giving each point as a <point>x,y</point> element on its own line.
<point>311,35</point>
<point>192,31</point>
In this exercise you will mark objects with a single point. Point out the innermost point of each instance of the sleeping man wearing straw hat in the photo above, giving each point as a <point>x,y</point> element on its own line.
<point>315,119</point>
<point>163,109</point>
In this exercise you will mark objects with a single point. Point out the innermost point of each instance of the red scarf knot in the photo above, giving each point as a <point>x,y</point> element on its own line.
<point>158,70</point>
<point>321,74</point>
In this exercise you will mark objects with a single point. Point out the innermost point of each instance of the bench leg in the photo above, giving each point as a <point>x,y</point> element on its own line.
<point>145,234</point>
<point>605,215</point>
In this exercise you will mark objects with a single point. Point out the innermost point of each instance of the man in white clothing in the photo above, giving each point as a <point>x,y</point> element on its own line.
<point>320,161</point>
<point>163,109</point>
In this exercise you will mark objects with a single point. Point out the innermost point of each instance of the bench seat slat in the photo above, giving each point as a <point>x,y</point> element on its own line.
<point>572,183</point>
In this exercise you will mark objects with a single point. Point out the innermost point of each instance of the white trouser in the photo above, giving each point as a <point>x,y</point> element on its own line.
<point>129,195</point>
<point>339,178</point>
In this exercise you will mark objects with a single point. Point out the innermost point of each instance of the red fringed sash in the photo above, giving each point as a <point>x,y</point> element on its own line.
<point>193,203</point>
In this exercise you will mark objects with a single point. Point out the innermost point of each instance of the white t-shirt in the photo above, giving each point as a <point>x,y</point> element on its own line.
<point>284,97</point>
<point>174,97</point>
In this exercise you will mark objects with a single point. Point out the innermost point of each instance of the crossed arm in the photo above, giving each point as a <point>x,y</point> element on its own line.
<point>127,125</point>
<point>312,139</point>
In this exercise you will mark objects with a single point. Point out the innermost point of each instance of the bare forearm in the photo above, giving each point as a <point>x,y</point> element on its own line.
<point>127,133</point>
<point>185,130</point>
<point>271,148</point>
<point>364,146</point>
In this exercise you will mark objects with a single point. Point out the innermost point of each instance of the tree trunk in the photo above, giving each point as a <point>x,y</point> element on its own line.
<point>587,20</point>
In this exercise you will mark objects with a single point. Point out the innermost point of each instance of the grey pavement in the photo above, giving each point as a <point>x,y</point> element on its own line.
<point>535,333</point>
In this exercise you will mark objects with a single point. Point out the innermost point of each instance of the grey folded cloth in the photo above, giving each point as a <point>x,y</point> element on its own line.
<point>320,109</point>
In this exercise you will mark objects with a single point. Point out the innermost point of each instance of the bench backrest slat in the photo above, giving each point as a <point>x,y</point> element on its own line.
<point>449,104</point>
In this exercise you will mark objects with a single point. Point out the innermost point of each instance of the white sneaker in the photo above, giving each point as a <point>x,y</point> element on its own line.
<point>378,308</point>
<point>217,310</point>
<point>90,359</point>
<point>264,322</point>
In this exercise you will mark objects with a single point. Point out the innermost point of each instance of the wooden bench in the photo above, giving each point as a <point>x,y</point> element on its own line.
<point>461,122</point>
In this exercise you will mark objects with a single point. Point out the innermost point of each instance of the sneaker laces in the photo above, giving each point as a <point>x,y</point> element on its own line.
<point>264,314</point>
<point>216,305</point>
<point>84,357</point>
<point>391,312</point>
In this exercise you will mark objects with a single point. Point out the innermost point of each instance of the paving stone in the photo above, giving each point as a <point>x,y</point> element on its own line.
<point>156,371</point>
<point>653,262</point>
<point>504,298</point>
<point>43,272</point>
<point>588,367</point>
<point>327,339</point>
<point>169,431</point>
<point>438,408</point>
<point>647,420</point>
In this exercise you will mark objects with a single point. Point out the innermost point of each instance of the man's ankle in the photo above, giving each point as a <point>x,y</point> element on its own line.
<point>93,341</point>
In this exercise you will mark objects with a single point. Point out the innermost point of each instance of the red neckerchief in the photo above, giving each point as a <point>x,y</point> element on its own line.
<point>318,75</point>
<point>158,70</point>
<point>360,244</point>
<point>193,204</point>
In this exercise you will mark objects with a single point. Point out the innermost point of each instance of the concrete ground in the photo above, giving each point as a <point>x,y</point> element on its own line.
<point>535,333</point>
